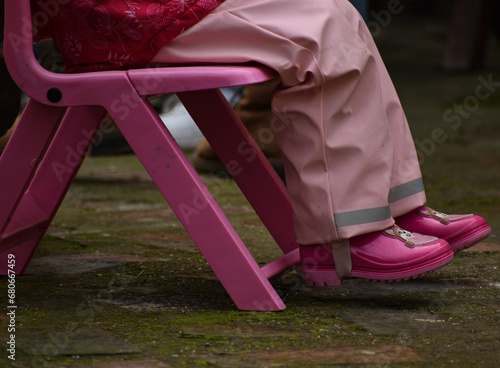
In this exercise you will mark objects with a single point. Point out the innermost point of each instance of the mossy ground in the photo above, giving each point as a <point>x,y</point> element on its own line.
<point>118,283</point>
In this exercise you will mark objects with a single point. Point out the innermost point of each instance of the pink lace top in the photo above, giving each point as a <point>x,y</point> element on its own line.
<point>114,34</point>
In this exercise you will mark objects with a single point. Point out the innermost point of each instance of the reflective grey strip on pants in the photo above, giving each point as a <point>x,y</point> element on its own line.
<point>406,190</point>
<point>377,214</point>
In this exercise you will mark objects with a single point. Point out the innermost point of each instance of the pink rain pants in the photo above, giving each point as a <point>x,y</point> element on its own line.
<point>350,161</point>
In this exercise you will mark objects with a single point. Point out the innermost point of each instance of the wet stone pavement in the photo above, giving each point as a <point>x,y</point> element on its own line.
<point>117,283</point>
<point>105,309</point>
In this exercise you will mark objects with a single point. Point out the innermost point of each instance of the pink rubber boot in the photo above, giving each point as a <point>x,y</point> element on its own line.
<point>390,255</point>
<point>460,231</point>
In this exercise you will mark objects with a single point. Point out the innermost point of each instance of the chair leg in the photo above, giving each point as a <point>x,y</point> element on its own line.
<point>65,156</point>
<point>248,166</point>
<point>22,255</point>
<point>18,165</point>
<point>41,190</point>
<point>195,207</point>
<point>23,153</point>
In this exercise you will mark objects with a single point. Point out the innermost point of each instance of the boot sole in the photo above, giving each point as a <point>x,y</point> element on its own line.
<point>328,277</point>
<point>469,239</point>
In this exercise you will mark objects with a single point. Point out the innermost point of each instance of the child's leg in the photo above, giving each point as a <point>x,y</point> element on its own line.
<point>406,177</point>
<point>461,231</point>
<point>331,116</point>
<point>345,142</point>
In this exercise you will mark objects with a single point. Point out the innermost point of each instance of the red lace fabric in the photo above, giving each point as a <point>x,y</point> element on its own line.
<point>114,34</point>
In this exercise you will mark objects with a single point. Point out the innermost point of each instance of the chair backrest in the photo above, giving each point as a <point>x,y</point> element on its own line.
<point>96,88</point>
<point>38,83</point>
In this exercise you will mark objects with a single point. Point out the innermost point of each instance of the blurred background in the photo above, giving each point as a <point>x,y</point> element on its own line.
<point>444,59</point>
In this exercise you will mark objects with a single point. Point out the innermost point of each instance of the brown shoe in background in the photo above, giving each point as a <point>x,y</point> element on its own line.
<point>254,110</point>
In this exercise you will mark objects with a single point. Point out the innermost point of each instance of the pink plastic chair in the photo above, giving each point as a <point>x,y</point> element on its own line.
<point>63,115</point>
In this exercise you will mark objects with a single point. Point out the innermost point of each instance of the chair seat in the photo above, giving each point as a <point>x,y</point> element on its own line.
<point>173,79</point>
